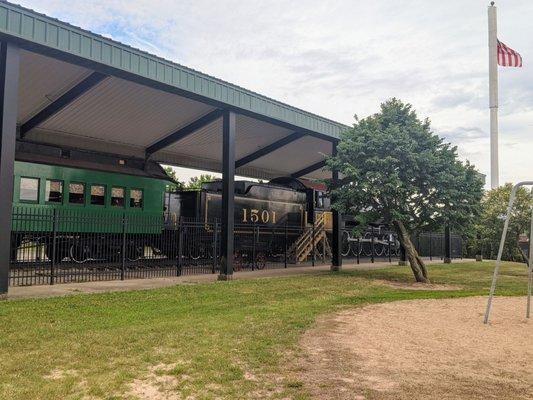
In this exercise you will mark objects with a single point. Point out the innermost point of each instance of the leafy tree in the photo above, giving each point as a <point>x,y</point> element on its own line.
<point>490,226</point>
<point>196,182</point>
<point>171,172</point>
<point>394,167</point>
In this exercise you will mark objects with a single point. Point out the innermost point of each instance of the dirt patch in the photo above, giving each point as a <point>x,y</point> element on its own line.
<point>424,349</point>
<point>418,285</point>
<point>58,374</point>
<point>158,384</point>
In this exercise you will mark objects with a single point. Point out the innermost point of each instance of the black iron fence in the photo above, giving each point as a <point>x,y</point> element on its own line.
<point>50,246</point>
<point>432,245</point>
<point>380,243</point>
<point>514,250</point>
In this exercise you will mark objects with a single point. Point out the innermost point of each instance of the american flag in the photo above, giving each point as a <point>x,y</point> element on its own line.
<point>507,57</point>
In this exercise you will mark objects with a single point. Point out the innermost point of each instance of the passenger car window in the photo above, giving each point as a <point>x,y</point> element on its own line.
<point>117,197</point>
<point>53,191</point>
<point>136,198</point>
<point>98,195</point>
<point>76,193</point>
<point>29,189</point>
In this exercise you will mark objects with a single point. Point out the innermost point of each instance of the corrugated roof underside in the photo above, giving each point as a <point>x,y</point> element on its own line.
<point>250,136</point>
<point>42,80</point>
<point>184,159</point>
<point>19,22</point>
<point>127,112</point>
<point>121,117</point>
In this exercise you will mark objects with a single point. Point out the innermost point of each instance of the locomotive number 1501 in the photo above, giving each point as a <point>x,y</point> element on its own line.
<point>254,215</point>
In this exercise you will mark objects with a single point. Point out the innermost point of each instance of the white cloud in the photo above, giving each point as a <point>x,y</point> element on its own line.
<point>343,58</point>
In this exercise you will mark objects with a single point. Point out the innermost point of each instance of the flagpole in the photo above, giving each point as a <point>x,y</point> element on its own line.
<point>493,96</point>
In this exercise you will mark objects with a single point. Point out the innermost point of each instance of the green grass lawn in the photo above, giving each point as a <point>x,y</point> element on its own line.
<point>221,340</point>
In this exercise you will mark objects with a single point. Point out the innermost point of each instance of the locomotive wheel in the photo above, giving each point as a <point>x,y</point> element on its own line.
<point>134,252</point>
<point>260,261</point>
<point>367,245</point>
<point>379,246</point>
<point>395,249</point>
<point>196,252</point>
<point>79,252</point>
<point>49,251</point>
<point>345,244</point>
<point>237,261</point>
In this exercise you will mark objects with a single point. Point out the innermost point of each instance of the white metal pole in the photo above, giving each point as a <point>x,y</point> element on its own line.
<point>530,264</point>
<point>493,97</point>
<point>500,251</point>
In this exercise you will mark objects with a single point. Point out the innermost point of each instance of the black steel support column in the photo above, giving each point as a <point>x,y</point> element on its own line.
<point>479,248</point>
<point>9,80</point>
<point>228,193</point>
<point>447,245</point>
<point>336,248</point>
<point>430,247</point>
<point>403,256</point>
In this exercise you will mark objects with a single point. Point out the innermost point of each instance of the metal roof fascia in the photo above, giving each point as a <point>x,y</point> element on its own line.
<point>47,33</point>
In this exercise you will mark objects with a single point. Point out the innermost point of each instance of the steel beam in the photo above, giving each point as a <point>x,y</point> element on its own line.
<point>336,245</point>
<point>228,195</point>
<point>62,101</point>
<point>269,149</point>
<point>9,81</point>
<point>184,132</point>
<point>309,169</point>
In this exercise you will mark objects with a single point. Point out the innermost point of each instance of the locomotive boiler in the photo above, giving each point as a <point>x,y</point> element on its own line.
<point>282,201</point>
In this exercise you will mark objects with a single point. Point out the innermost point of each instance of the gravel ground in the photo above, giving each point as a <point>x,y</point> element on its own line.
<point>423,349</point>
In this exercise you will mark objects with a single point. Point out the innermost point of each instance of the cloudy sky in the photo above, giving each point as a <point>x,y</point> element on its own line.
<point>345,57</point>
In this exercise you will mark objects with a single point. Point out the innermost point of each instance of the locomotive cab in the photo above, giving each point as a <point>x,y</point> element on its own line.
<point>317,197</point>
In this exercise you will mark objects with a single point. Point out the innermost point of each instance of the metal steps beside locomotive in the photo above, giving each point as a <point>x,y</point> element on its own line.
<point>309,240</point>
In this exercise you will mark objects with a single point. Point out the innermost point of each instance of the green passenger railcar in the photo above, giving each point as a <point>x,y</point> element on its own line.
<point>86,200</point>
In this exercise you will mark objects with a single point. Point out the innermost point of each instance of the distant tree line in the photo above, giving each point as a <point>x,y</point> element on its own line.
<point>194,183</point>
<point>486,233</point>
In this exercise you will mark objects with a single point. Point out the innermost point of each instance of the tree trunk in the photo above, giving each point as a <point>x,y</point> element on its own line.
<point>415,261</point>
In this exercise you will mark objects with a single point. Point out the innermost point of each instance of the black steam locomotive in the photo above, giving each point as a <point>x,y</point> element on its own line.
<point>267,217</point>
<point>281,201</point>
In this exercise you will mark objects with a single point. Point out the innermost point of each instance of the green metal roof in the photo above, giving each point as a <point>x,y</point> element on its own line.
<point>35,28</point>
